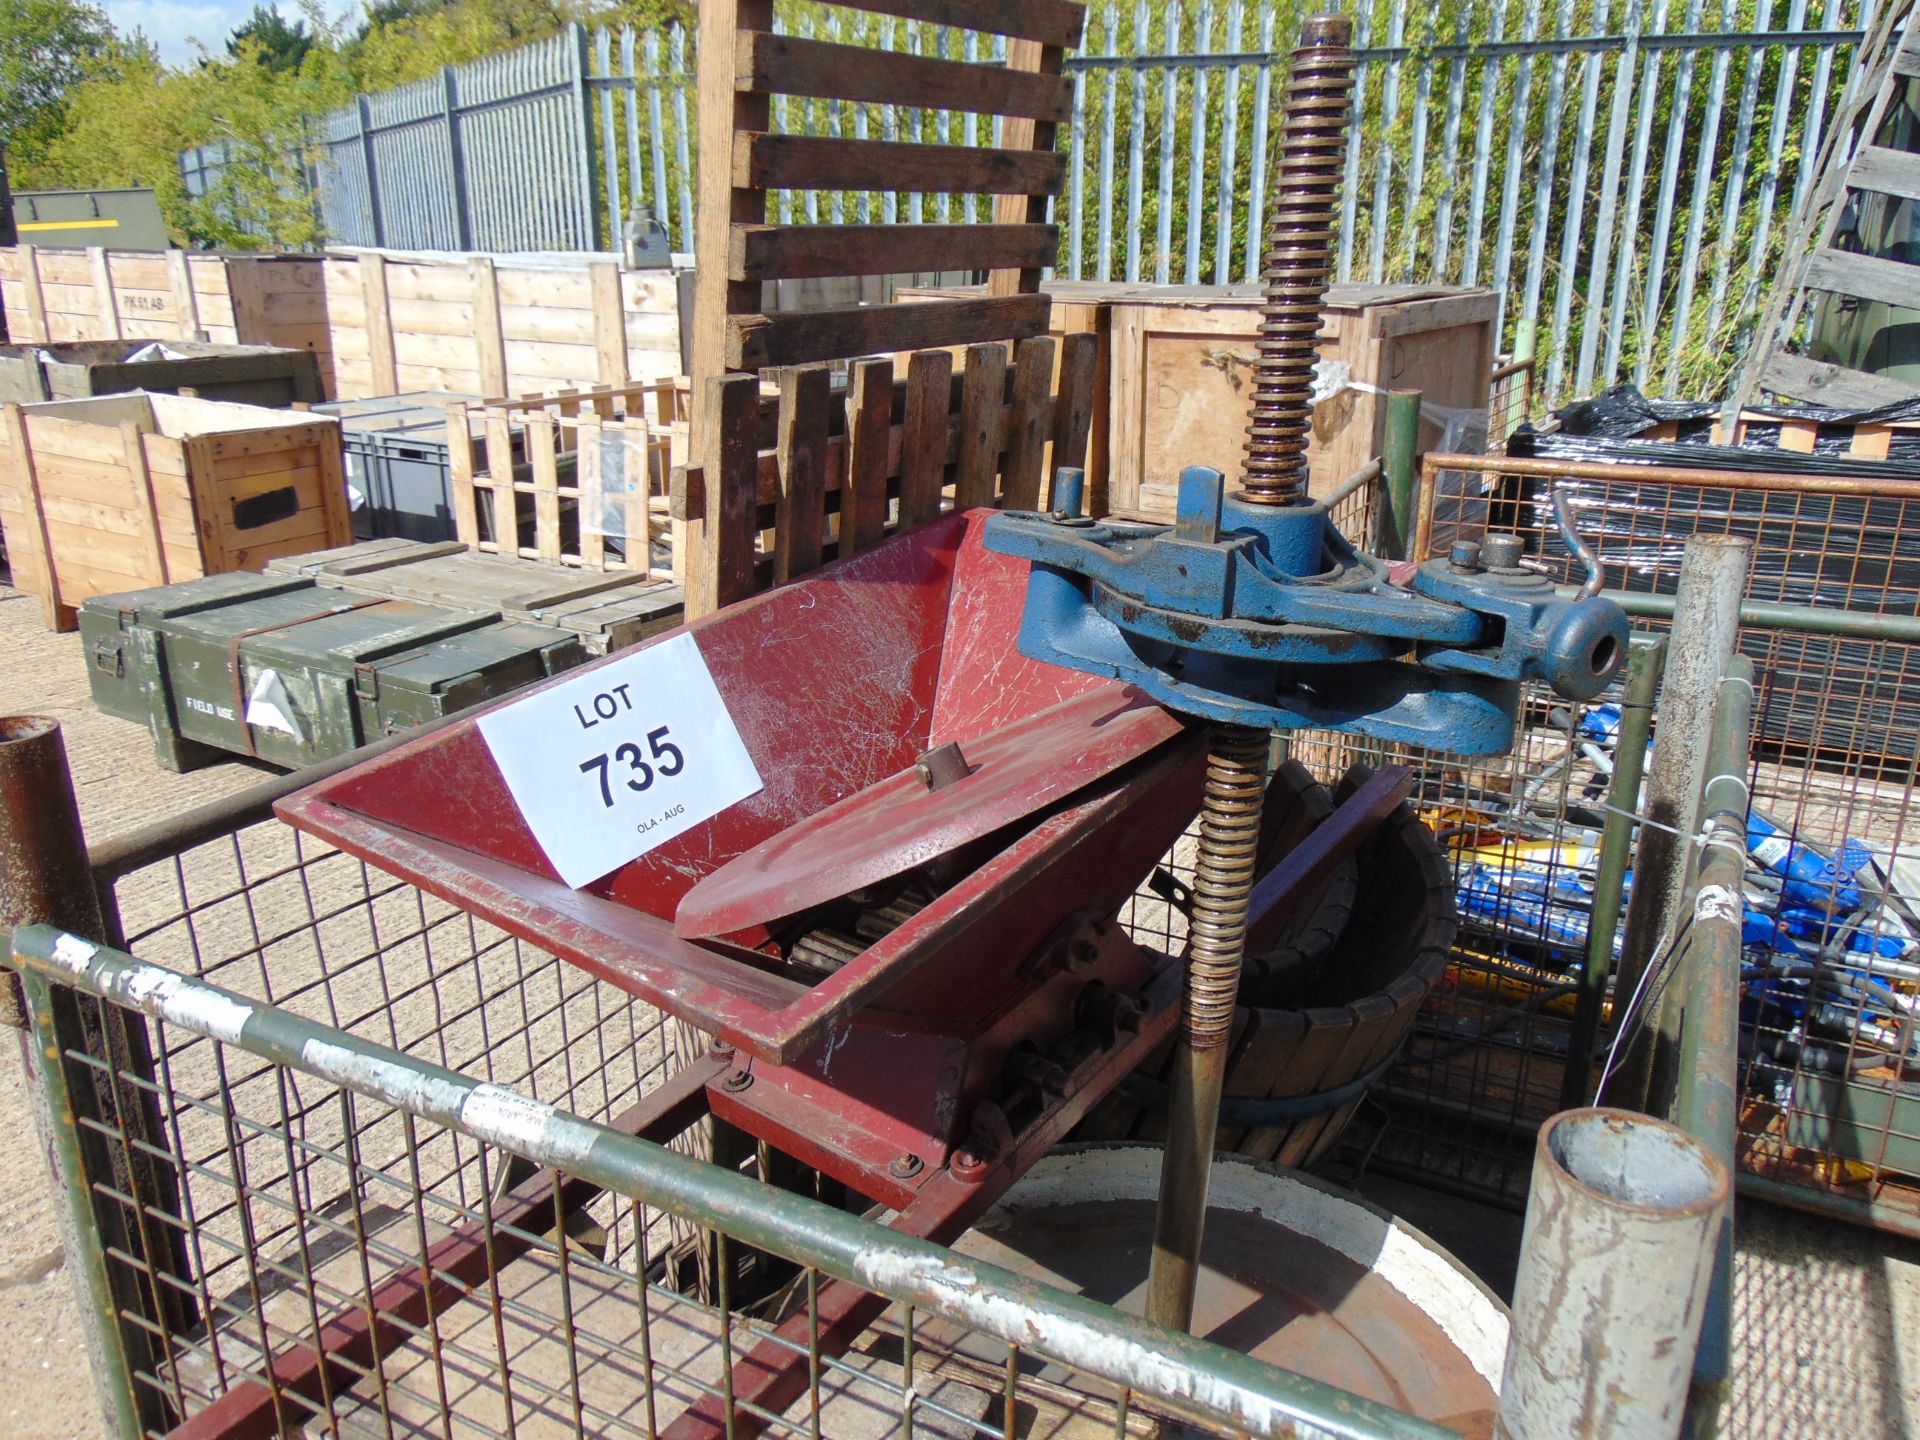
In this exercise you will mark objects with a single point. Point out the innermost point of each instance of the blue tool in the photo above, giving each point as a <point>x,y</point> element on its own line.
<point>1263,614</point>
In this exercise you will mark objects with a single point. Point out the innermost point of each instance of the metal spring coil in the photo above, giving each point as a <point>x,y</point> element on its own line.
<point>1223,880</point>
<point>1298,260</point>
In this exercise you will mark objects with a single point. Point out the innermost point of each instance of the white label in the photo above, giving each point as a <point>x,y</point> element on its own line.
<point>1772,850</point>
<point>615,761</point>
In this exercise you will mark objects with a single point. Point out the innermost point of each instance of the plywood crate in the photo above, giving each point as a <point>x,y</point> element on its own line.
<point>125,492</point>
<point>1182,362</point>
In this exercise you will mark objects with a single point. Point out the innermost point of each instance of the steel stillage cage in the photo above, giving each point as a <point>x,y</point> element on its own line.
<point>344,1161</point>
<point>1830,1110</point>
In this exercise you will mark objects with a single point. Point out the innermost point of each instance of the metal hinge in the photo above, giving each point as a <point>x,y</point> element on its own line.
<point>366,682</point>
<point>109,658</point>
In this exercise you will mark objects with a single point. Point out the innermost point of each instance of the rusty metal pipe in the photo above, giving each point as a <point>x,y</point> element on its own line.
<point>44,876</point>
<point>1619,1244</point>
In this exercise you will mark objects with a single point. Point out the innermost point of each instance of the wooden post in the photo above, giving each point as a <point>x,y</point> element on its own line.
<point>1019,133</point>
<point>720,538</point>
<point>487,334</point>
<point>373,291</point>
<point>103,301</point>
<point>135,450</point>
<point>466,519</point>
<point>609,323</point>
<point>723,204</point>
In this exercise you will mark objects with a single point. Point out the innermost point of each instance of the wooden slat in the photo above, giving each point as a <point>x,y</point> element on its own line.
<point>543,458</point>
<point>1869,277</point>
<point>923,446</point>
<point>799,252</point>
<point>863,503</point>
<point>1056,21</point>
<point>1823,384</point>
<point>146,513</point>
<point>768,64</point>
<point>800,516</point>
<point>379,324</point>
<point>36,297</point>
<point>488,336</point>
<point>593,501</point>
<point>1028,56</point>
<point>186,307</point>
<point>1028,427</point>
<point>758,342</point>
<point>720,542</point>
<point>609,324</point>
<point>1075,401</point>
<point>983,398</point>
<point>1798,436</point>
<point>1886,172</point>
<point>30,543</point>
<point>105,306</point>
<point>824,162</point>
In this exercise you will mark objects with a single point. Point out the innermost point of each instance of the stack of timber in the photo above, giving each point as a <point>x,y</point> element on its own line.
<point>605,610</point>
<point>1174,365</point>
<point>111,494</point>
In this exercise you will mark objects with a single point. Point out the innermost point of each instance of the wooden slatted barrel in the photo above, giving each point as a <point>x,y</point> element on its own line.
<point>1323,1012</point>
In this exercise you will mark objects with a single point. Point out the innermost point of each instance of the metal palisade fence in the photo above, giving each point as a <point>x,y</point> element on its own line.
<point>1620,171</point>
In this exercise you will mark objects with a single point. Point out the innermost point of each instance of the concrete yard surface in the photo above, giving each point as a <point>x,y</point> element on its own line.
<point>1827,1317</point>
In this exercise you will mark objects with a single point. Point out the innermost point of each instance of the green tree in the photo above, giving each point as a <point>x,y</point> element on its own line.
<point>45,47</point>
<point>267,38</point>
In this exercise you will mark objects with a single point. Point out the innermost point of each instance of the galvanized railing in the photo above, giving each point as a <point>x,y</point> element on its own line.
<point>328,1230</point>
<point>1620,172</point>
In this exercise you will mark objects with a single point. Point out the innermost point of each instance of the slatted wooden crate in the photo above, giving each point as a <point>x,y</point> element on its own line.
<point>125,492</point>
<point>812,472</point>
<point>593,488</point>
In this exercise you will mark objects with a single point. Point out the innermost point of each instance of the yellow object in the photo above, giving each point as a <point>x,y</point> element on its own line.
<point>69,225</point>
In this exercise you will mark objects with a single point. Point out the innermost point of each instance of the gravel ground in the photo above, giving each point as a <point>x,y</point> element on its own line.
<point>1827,1317</point>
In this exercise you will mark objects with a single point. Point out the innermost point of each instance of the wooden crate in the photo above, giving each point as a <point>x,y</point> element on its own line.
<point>76,369</point>
<point>128,491</point>
<point>1182,369</point>
<point>598,465</point>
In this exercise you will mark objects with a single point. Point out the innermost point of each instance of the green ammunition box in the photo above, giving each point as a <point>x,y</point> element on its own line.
<point>274,667</point>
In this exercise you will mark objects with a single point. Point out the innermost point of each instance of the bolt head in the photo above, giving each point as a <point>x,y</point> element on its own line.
<point>1503,552</point>
<point>1465,555</point>
<point>737,1081</point>
<point>904,1166</point>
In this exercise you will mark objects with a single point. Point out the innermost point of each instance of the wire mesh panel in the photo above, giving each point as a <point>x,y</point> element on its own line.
<point>1832,948</point>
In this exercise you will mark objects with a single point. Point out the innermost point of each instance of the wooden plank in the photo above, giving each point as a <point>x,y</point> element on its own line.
<point>146,515</point>
<point>379,325</point>
<point>724,111</point>
<point>488,335</point>
<point>1055,21</point>
<point>460,467</point>
<point>1033,57</point>
<point>1075,401</point>
<point>186,305</point>
<point>1798,436</point>
<point>791,252</point>
<point>1871,442</point>
<point>333,486</point>
<point>923,446</point>
<point>824,162</point>
<point>36,298</point>
<point>1886,172</point>
<point>982,400</point>
<point>106,309</point>
<point>720,540</point>
<point>543,458</point>
<point>863,502</point>
<point>591,479</point>
<point>29,540</point>
<point>768,64</point>
<point>758,342</point>
<point>1028,430</point>
<point>801,452</point>
<point>609,324</point>
<point>1799,378</point>
<point>1870,278</point>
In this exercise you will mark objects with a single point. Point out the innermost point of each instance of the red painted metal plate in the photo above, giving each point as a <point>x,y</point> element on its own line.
<point>898,824</point>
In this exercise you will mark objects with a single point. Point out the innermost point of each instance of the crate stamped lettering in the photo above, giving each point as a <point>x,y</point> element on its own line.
<point>611,763</point>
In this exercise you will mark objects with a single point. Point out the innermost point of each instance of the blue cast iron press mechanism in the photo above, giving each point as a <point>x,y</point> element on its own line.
<point>1252,611</point>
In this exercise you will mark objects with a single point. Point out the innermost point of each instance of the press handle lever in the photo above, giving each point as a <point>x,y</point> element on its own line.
<point>1563,513</point>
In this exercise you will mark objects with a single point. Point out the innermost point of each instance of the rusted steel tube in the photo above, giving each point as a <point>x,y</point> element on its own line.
<point>43,859</point>
<point>1619,1243</point>
<point>1706,627</point>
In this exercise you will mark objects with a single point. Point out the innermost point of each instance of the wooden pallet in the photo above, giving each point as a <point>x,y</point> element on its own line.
<point>607,609</point>
<point>1850,164</point>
